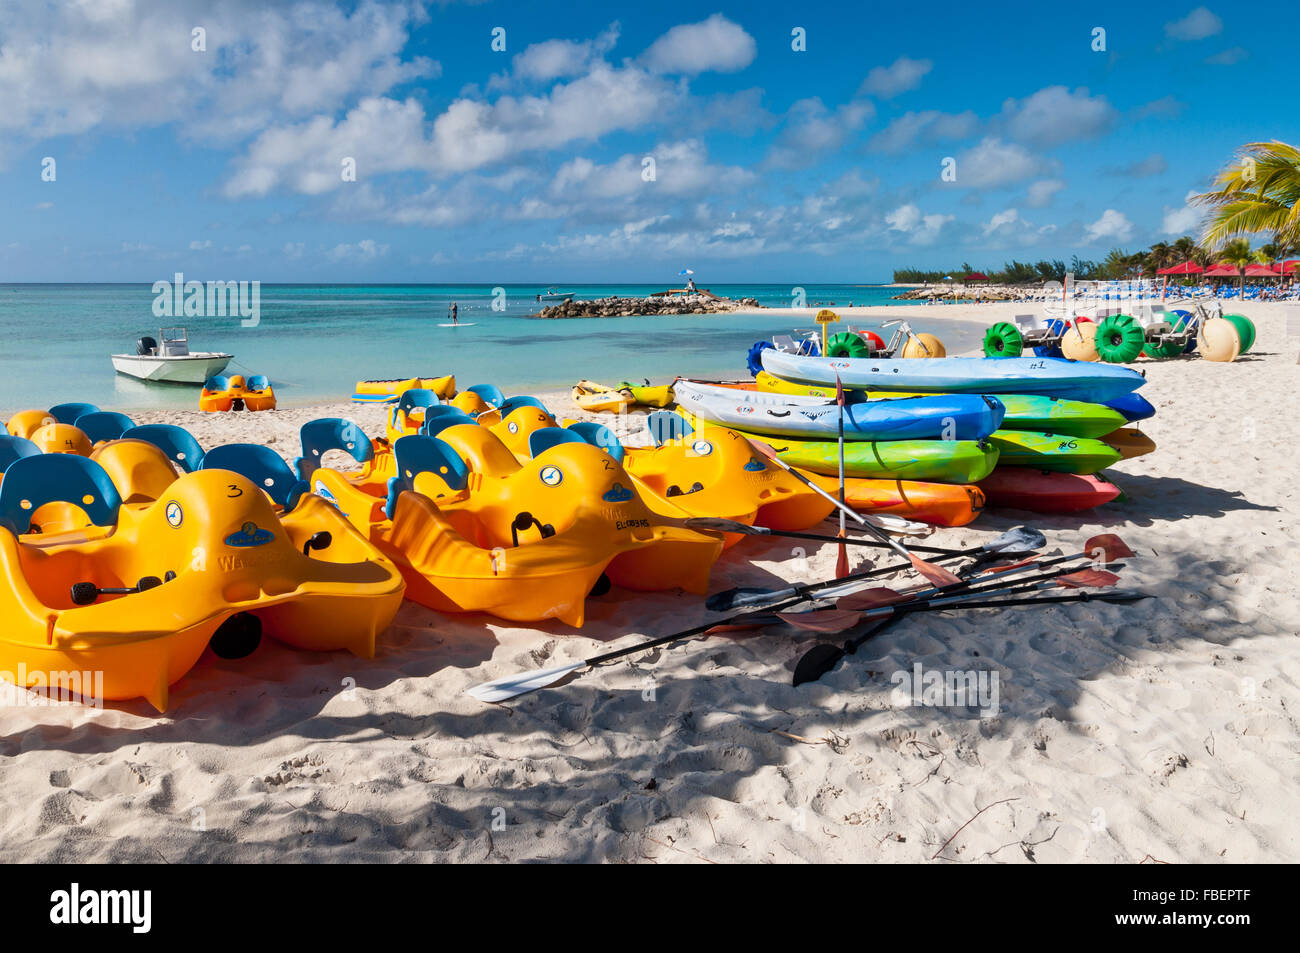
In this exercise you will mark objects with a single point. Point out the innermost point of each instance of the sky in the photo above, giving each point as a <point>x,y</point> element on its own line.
<point>504,142</point>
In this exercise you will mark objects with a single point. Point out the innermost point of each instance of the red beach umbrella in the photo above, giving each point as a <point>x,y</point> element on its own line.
<point>1186,268</point>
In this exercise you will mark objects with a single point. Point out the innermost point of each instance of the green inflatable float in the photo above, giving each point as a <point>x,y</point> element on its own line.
<point>1120,339</point>
<point>1245,330</point>
<point>1003,340</point>
<point>847,344</point>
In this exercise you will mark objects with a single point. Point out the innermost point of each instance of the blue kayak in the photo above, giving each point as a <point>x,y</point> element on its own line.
<point>1049,377</point>
<point>1133,407</point>
<point>938,417</point>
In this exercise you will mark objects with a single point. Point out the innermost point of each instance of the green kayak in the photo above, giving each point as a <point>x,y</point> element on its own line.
<point>942,461</point>
<point>1046,451</point>
<point>1052,415</point>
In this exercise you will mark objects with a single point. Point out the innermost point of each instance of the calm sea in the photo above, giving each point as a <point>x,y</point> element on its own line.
<point>316,341</point>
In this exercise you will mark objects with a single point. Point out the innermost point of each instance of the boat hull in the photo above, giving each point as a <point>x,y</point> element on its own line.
<point>190,369</point>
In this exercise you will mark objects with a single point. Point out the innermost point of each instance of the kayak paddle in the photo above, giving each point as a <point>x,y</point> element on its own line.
<point>1017,541</point>
<point>935,574</point>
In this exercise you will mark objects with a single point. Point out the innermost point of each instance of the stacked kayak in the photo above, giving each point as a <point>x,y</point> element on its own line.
<point>1063,423</point>
<point>1049,377</point>
<point>1020,411</point>
<point>946,416</point>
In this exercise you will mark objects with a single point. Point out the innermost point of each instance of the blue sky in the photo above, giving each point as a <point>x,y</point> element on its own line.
<point>529,164</point>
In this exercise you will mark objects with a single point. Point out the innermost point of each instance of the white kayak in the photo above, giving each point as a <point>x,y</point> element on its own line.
<point>943,416</point>
<point>1047,376</point>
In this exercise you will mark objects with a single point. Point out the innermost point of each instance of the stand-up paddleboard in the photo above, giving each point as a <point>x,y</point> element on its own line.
<point>463,324</point>
<point>1042,491</point>
<point>942,416</point>
<point>1050,377</point>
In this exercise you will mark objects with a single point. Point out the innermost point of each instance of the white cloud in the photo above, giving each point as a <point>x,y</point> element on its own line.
<point>1197,25</point>
<point>365,250</point>
<point>1182,220</point>
<point>293,249</point>
<point>1055,115</point>
<point>1040,193</point>
<point>555,59</point>
<point>993,162</point>
<point>928,126</point>
<point>1228,57</point>
<point>1112,225</point>
<point>130,65</point>
<point>712,45</point>
<point>810,131</point>
<point>898,77</point>
<point>920,229</point>
<point>681,168</point>
<point>197,245</point>
<point>1001,220</point>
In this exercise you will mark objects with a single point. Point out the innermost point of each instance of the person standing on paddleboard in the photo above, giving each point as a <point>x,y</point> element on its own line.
<point>454,319</point>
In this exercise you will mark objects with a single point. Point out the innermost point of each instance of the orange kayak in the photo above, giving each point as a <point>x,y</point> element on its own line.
<point>942,504</point>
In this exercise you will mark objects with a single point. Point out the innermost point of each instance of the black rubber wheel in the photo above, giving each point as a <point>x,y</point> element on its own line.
<point>601,587</point>
<point>237,637</point>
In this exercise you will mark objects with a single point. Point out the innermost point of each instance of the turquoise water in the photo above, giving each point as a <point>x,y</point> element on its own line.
<point>315,341</point>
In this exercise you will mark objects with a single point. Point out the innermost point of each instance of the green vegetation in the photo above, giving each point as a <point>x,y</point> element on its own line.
<point>1117,264</point>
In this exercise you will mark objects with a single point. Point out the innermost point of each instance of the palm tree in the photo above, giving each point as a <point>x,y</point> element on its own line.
<point>1259,192</point>
<point>1238,252</point>
<point>1160,254</point>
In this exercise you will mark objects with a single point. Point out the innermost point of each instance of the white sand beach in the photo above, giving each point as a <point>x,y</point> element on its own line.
<point>1165,730</point>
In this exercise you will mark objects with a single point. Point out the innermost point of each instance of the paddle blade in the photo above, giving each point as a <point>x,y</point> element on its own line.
<point>842,562</point>
<point>512,686</point>
<point>743,596</point>
<point>1018,539</point>
<point>816,662</point>
<point>1098,578</point>
<point>713,524</point>
<point>1109,546</point>
<point>1121,596</point>
<point>825,621</point>
<point>872,598</point>
<point>937,576</point>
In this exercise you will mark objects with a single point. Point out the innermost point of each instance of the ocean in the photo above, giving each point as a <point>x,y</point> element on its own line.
<point>316,341</point>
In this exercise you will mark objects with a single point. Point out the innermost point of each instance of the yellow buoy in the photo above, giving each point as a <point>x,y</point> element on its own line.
<point>1218,340</point>
<point>1079,343</point>
<point>924,345</point>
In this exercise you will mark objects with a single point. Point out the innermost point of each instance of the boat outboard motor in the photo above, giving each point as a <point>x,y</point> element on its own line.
<point>146,346</point>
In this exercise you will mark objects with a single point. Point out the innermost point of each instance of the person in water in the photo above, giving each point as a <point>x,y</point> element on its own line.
<point>454,319</point>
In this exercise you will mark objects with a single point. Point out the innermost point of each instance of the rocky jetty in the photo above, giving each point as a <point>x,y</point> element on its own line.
<point>959,292</point>
<point>614,307</point>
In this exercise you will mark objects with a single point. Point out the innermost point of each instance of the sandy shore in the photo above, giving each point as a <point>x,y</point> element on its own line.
<point>1164,730</point>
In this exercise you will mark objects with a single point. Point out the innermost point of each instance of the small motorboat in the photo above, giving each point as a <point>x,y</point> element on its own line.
<point>553,295</point>
<point>169,359</point>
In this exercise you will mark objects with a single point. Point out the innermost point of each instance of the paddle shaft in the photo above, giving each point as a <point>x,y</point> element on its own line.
<point>741,619</point>
<point>864,574</point>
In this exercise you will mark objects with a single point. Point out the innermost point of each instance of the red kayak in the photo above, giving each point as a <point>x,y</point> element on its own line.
<point>1041,491</point>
